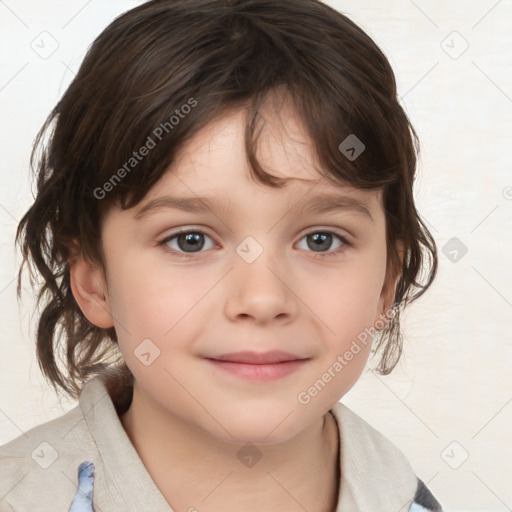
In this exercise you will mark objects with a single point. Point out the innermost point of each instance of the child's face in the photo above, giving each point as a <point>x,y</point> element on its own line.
<point>226,298</point>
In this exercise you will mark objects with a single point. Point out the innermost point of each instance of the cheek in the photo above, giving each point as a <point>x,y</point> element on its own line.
<point>153,320</point>
<point>156,317</point>
<point>150,299</point>
<point>351,299</point>
<point>348,309</point>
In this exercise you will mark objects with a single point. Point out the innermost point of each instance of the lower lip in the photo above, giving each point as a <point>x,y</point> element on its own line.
<point>261,372</point>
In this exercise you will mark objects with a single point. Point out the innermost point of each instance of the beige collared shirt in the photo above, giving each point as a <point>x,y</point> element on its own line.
<point>38,470</point>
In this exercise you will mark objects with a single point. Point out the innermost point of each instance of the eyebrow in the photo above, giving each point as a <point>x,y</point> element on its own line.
<point>322,203</point>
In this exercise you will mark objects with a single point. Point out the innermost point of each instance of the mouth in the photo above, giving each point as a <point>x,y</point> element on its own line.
<point>249,357</point>
<point>266,366</point>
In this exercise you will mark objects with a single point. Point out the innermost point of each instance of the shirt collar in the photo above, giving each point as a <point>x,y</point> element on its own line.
<point>375,475</point>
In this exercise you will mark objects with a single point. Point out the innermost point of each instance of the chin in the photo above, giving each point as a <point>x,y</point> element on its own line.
<point>261,437</point>
<point>260,427</point>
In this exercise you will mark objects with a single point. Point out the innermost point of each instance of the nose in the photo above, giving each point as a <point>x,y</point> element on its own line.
<point>260,290</point>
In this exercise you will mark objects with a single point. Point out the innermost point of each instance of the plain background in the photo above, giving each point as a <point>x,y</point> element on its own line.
<point>448,405</point>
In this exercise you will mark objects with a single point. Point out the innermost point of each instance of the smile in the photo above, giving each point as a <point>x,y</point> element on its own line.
<point>259,372</point>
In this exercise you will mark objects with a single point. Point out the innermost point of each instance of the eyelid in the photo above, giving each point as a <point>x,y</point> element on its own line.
<point>346,241</point>
<point>188,229</point>
<point>329,229</point>
<point>306,231</point>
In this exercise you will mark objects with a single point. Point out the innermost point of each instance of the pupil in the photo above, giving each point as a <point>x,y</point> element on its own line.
<point>324,240</point>
<point>195,239</point>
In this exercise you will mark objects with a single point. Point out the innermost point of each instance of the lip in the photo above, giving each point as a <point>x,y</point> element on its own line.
<point>265,366</point>
<point>250,357</point>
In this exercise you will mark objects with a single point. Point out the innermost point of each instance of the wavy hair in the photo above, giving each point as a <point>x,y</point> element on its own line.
<point>140,71</point>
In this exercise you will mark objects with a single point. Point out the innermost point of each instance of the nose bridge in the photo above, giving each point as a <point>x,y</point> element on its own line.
<point>259,282</point>
<point>258,262</point>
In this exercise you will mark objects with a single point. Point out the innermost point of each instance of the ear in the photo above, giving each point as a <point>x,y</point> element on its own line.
<point>387,295</point>
<point>89,289</point>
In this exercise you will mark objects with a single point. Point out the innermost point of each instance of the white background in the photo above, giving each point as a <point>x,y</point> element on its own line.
<point>450,397</point>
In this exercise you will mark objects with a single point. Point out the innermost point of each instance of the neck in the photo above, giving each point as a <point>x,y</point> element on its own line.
<point>191,468</point>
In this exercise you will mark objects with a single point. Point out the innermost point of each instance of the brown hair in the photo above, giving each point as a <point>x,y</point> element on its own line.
<point>212,55</point>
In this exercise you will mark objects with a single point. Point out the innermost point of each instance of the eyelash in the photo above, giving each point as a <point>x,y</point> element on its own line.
<point>319,255</point>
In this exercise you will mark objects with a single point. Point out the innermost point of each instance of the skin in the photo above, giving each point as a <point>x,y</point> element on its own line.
<point>187,419</point>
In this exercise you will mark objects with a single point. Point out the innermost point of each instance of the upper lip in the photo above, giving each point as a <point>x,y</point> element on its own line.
<point>273,356</point>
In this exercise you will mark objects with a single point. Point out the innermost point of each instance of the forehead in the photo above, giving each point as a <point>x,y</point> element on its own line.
<point>322,202</point>
<point>283,146</point>
<point>211,172</point>
<point>215,158</point>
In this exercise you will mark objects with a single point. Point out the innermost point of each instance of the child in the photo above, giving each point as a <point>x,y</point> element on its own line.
<point>267,134</point>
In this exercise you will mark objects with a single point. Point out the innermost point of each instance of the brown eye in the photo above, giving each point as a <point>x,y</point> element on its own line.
<point>185,243</point>
<point>193,241</point>
<point>320,242</point>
